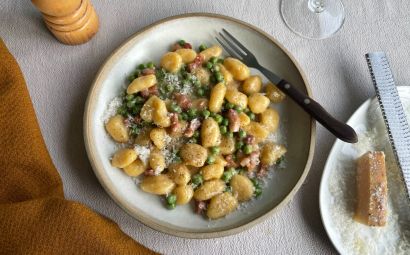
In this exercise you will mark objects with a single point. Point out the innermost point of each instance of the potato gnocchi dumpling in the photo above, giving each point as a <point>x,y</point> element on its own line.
<point>117,129</point>
<point>123,158</point>
<point>221,205</point>
<point>195,129</point>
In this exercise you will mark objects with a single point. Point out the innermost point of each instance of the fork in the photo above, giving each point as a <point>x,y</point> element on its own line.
<point>236,49</point>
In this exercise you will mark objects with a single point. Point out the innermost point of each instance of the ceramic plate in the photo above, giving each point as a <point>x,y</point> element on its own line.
<point>338,189</point>
<point>149,44</point>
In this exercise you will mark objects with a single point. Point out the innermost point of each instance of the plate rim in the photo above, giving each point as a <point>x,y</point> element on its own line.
<point>366,104</point>
<point>90,148</point>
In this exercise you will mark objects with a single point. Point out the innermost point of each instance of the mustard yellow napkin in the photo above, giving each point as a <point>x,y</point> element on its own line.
<point>35,218</point>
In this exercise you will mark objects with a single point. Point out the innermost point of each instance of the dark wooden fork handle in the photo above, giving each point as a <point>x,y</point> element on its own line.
<point>341,130</point>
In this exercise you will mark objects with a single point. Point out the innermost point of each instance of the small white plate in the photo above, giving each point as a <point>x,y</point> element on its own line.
<point>149,45</point>
<point>338,189</point>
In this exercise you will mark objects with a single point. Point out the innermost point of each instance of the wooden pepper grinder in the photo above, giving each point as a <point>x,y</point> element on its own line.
<point>71,21</point>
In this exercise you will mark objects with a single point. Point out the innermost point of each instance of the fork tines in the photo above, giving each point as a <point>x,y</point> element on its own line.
<point>235,48</point>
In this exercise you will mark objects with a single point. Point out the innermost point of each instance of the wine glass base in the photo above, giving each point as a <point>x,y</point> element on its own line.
<point>311,19</point>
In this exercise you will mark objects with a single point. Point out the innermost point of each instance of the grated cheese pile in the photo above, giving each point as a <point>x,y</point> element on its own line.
<point>111,110</point>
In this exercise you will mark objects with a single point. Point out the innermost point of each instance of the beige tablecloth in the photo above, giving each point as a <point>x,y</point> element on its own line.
<point>59,78</point>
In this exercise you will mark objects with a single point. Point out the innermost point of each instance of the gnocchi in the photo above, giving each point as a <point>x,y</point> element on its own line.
<point>270,119</point>
<point>217,97</point>
<point>157,161</point>
<point>141,83</point>
<point>184,194</point>
<point>117,129</point>
<point>221,205</point>
<point>274,94</point>
<point>251,85</point>
<point>242,187</point>
<point>123,158</point>
<point>193,154</point>
<point>210,133</point>
<point>187,55</point>
<point>158,137</point>
<point>271,153</point>
<point>171,62</point>
<point>135,169</point>
<point>157,184</point>
<point>213,171</point>
<point>179,173</point>
<point>214,51</point>
<point>209,189</point>
<point>236,97</point>
<point>238,69</point>
<point>258,103</point>
<point>195,127</point>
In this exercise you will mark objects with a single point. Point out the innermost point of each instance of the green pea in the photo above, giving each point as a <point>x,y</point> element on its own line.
<point>225,122</point>
<point>171,206</point>
<point>142,66</point>
<point>212,115</point>
<point>131,103</point>
<point>197,179</point>
<point>238,108</point>
<point>129,97</point>
<point>228,174</point>
<point>229,105</point>
<point>202,47</point>
<point>139,99</point>
<point>184,116</point>
<point>192,113</point>
<point>196,134</point>
<point>200,92</point>
<point>218,118</point>
<point>220,60</point>
<point>210,160</point>
<point>216,68</point>
<point>223,129</point>
<point>206,113</point>
<point>169,88</point>
<point>247,149</point>
<point>219,77</point>
<point>175,108</point>
<point>197,83</point>
<point>258,192</point>
<point>215,150</point>
<point>239,145</point>
<point>150,65</point>
<point>213,60</point>
<point>171,199</point>
<point>181,42</point>
<point>242,133</point>
<point>193,140</point>
<point>209,65</point>
<point>251,115</point>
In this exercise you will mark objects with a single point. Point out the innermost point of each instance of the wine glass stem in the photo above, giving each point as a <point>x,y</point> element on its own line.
<point>316,6</point>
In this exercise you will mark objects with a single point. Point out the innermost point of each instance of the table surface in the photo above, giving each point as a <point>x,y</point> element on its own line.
<point>59,77</point>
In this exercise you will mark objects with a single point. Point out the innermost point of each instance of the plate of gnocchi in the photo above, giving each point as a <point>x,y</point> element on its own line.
<point>189,140</point>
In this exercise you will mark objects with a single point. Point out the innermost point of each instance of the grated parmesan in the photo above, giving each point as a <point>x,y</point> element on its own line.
<point>112,108</point>
<point>143,153</point>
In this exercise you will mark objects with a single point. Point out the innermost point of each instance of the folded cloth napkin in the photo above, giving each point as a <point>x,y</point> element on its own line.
<point>35,218</point>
